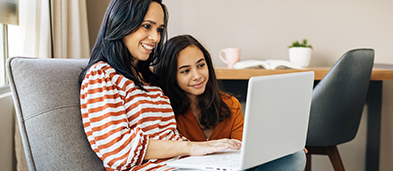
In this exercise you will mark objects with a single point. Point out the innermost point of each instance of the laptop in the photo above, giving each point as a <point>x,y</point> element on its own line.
<point>275,124</point>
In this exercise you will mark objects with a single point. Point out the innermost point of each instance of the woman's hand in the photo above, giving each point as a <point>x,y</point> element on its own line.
<point>207,147</point>
<point>159,149</point>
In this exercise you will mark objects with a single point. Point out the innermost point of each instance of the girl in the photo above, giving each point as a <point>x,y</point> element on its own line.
<point>203,112</point>
<point>128,121</point>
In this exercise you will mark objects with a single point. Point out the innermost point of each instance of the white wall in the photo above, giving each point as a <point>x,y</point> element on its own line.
<point>6,132</point>
<point>95,13</point>
<point>264,29</point>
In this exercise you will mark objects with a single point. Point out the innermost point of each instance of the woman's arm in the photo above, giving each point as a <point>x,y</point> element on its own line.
<point>165,148</point>
<point>106,123</point>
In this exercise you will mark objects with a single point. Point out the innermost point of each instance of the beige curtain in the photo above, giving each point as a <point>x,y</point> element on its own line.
<point>70,30</point>
<point>69,33</point>
<point>35,28</point>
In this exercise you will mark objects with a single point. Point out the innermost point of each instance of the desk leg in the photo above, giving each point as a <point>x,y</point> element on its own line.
<point>374,104</point>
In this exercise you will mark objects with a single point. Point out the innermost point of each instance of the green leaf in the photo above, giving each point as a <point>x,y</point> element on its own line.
<point>303,44</point>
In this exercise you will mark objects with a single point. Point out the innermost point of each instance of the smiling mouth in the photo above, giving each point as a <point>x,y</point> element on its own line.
<point>147,46</point>
<point>198,85</point>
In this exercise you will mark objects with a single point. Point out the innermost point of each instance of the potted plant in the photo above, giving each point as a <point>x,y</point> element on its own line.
<point>300,53</point>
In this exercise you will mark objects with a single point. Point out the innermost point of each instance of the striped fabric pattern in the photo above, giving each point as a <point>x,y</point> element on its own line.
<point>119,119</point>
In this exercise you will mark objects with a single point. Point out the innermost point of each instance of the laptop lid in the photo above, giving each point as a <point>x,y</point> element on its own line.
<point>276,116</point>
<point>276,121</point>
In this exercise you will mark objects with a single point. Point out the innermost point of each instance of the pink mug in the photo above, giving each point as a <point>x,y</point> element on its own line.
<point>230,56</point>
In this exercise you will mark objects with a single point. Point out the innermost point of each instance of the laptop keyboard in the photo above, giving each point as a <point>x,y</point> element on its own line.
<point>232,160</point>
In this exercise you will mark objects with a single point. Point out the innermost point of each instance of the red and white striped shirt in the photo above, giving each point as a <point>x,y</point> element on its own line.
<point>119,119</point>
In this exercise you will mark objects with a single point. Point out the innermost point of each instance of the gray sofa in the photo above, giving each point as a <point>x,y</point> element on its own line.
<point>46,98</point>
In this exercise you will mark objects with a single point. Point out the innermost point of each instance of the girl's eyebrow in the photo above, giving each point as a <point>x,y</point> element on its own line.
<point>202,59</point>
<point>184,66</point>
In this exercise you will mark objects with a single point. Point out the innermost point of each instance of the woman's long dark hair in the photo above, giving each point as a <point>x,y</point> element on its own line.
<point>212,107</point>
<point>124,17</point>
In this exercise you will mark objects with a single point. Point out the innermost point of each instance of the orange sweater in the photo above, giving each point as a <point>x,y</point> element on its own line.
<point>231,127</point>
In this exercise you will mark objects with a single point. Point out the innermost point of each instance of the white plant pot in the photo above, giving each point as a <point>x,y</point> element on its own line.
<point>300,56</point>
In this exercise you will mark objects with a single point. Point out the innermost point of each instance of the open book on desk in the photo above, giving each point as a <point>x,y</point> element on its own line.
<point>269,64</point>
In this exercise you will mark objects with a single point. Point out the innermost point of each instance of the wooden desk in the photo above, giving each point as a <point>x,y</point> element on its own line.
<point>237,78</point>
<point>378,74</point>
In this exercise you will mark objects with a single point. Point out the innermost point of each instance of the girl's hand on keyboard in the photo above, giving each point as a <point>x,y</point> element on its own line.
<point>207,147</point>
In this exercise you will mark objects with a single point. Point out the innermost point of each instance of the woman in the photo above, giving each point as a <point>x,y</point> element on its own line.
<point>128,121</point>
<point>203,112</point>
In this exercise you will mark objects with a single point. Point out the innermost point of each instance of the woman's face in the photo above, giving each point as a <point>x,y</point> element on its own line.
<point>192,71</point>
<point>141,43</point>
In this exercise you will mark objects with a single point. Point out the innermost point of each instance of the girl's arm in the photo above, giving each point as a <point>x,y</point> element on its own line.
<point>237,126</point>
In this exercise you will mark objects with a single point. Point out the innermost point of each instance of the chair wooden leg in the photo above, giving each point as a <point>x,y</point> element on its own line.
<point>308,162</point>
<point>335,158</point>
<point>331,151</point>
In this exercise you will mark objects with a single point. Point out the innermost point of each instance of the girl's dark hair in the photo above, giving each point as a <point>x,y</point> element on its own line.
<point>212,107</point>
<point>124,17</point>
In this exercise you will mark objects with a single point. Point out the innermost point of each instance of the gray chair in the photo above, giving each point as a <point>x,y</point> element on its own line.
<point>337,105</point>
<point>46,98</point>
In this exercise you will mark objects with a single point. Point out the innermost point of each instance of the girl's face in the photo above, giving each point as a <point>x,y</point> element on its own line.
<point>141,43</point>
<point>192,71</point>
